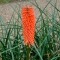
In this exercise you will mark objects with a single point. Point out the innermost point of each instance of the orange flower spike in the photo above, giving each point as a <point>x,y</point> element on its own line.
<point>28,25</point>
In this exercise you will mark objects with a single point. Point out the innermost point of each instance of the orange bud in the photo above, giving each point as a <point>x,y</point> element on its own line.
<point>28,25</point>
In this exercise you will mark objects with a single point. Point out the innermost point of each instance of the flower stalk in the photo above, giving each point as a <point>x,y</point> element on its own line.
<point>28,28</point>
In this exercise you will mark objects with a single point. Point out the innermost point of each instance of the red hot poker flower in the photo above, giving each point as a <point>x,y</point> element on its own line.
<point>28,25</point>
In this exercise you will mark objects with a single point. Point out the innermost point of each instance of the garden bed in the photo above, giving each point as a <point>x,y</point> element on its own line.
<point>47,31</point>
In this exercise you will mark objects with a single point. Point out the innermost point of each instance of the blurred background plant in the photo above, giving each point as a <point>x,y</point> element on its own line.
<point>47,35</point>
<point>1,1</point>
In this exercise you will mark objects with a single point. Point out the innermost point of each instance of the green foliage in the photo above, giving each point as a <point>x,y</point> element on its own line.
<point>47,35</point>
<point>1,1</point>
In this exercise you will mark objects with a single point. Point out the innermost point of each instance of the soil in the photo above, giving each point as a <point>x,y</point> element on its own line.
<point>6,10</point>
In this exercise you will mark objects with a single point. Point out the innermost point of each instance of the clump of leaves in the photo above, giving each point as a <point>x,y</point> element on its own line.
<point>47,35</point>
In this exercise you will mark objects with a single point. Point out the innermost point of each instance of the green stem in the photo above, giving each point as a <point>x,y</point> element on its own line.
<point>27,54</point>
